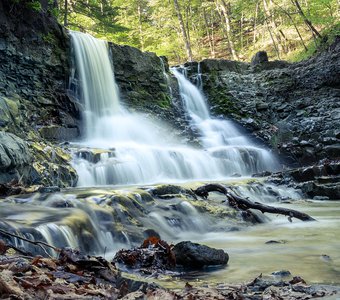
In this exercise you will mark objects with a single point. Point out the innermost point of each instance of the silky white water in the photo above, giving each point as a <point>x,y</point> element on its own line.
<point>220,137</point>
<point>139,149</point>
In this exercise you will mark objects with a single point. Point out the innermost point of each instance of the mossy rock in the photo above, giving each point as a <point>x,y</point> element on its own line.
<point>169,189</point>
<point>52,165</point>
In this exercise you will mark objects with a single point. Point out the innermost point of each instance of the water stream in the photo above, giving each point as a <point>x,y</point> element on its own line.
<point>104,220</point>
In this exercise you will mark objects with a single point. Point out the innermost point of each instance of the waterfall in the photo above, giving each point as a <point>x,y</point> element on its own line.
<point>99,90</point>
<point>220,137</point>
<point>132,149</point>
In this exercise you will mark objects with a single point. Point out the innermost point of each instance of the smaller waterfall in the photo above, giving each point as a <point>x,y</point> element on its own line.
<point>199,77</point>
<point>166,76</point>
<point>221,137</point>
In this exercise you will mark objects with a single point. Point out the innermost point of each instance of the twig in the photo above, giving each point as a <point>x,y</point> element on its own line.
<point>37,243</point>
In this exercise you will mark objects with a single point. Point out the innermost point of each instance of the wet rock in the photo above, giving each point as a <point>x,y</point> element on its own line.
<point>320,198</point>
<point>236,175</point>
<point>59,133</point>
<point>282,273</point>
<point>93,155</point>
<point>51,166</point>
<point>49,189</point>
<point>170,191</point>
<point>140,76</point>
<point>332,151</point>
<point>15,158</point>
<point>276,242</point>
<point>192,255</point>
<point>326,258</point>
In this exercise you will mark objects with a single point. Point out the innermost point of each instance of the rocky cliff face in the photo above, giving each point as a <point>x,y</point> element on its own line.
<point>34,105</point>
<point>33,75</point>
<point>294,108</point>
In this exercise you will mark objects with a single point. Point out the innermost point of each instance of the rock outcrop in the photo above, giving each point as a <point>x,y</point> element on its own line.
<point>33,75</point>
<point>34,103</point>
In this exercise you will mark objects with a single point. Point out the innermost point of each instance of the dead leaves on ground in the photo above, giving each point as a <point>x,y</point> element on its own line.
<point>72,276</point>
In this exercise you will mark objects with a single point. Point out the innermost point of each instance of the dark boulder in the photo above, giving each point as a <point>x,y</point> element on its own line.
<point>192,255</point>
<point>259,57</point>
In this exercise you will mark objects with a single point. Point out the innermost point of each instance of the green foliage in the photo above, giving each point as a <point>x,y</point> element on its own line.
<point>275,26</point>
<point>49,38</point>
<point>35,5</point>
<point>328,38</point>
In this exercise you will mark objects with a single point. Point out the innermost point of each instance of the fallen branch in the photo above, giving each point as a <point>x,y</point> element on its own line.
<point>245,204</point>
<point>37,243</point>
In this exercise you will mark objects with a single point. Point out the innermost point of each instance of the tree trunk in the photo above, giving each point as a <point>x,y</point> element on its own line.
<point>241,30</point>
<point>270,27</point>
<point>275,26</point>
<point>184,33</point>
<point>294,24</point>
<point>65,13</point>
<point>245,204</point>
<point>223,7</point>
<point>255,19</point>
<point>210,38</point>
<point>140,24</point>
<point>305,19</point>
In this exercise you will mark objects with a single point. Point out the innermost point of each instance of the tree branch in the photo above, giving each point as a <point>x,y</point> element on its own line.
<point>37,243</point>
<point>244,204</point>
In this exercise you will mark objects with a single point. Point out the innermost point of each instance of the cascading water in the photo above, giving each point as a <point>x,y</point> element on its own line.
<point>220,137</point>
<point>133,149</point>
<point>95,76</point>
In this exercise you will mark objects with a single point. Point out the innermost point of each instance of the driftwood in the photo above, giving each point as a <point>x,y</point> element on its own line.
<point>244,204</point>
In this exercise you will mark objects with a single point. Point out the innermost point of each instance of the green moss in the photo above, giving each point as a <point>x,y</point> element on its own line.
<point>34,5</point>
<point>164,101</point>
<point>222,103</point>
<point>48,38</point>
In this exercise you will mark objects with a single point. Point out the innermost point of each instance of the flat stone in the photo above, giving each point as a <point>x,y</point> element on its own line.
<point>320,198</point>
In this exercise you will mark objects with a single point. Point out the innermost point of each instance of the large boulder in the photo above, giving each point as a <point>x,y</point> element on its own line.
<point>15,157</point>
<point>192,255</point>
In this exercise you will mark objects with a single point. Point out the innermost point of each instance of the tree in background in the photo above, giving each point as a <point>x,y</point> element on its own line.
<point>196,29</point>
